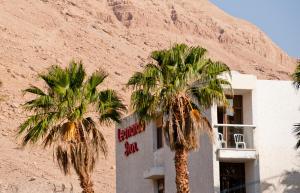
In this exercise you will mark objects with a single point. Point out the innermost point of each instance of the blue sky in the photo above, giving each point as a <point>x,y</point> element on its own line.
<point>279,19</point>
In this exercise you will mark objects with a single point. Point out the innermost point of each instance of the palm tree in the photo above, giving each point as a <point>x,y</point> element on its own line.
<point>297,133</point>
<point>178,87</point>
<point>62,118</point>
<point>296,79</point>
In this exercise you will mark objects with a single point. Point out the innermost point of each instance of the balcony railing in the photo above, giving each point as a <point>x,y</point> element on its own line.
<point>238,136</point>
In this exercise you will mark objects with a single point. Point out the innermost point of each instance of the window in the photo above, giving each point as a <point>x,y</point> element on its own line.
<point>161,186</point>
<point>159,138</point>
<point>159,134</point>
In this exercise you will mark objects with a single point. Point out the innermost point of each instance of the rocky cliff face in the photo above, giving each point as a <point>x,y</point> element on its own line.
<point>116,35</point>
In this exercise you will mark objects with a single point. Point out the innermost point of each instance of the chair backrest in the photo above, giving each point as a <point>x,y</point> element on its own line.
<point>221,138</point>
<point>238,138</point>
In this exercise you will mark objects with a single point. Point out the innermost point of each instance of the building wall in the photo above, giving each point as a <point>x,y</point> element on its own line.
<point>200,169</point>
<point>245,85</point>
<point>130,170</point>
<point>278,108</point>
<point>273,106</point>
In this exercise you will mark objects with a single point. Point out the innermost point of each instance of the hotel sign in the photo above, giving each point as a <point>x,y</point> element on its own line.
<point>128,132</point>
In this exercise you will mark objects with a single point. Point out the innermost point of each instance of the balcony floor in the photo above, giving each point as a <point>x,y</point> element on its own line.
<point>236,154</point>
<point>154,173</point>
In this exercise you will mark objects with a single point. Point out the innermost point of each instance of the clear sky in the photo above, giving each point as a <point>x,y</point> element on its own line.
<point>279,19</point>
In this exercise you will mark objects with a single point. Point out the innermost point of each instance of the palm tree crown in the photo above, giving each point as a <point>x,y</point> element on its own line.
<point>179,86</point>
<point>62,116</point>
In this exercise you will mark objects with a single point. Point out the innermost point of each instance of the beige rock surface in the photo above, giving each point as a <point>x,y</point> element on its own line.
<point>116,35</point>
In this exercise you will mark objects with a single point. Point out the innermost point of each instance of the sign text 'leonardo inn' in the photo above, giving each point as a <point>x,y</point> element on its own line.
<point>126,133</point>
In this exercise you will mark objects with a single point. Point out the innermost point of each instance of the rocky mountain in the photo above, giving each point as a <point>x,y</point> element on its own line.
<point>116,35</point>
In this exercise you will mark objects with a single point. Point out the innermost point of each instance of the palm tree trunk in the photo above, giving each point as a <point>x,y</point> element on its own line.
<point>182,173</point>
<point>86,184</point>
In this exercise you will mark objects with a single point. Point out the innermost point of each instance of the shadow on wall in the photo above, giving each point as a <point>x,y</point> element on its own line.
<point>216,189</point>
<point>290,179</point>
<point>267,186</point>
<point>292,182</point>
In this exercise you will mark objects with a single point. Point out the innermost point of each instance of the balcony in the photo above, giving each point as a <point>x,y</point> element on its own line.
<point>157,170</point>
<point>235,142</point>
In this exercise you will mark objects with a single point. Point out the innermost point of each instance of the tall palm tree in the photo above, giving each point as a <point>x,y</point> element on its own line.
<point>296,79</point>
<point>62,118</point>
<point>179,86</point>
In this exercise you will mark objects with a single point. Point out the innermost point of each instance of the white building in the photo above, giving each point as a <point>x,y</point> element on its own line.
<point>263,111</point>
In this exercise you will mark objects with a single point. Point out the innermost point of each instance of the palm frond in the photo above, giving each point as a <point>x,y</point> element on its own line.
<point>96,79</point>
<point>76,74</point>
<point>296,76</point>
<point>148,79</point>
<point>297,134</point>
<point>35,132</point>
<point>212,92</point>
<point>52,136</point>
<point>144,104</point>
<point>57,79</point>
<point>136,80</point>
<point>30,122</point>
<point>214,69</point>
<point>63,157</point>
<point>195,55</point>
<point>98,140</point>
<point>110,106</point>
<point>40,103</point>
<point>34,90</point>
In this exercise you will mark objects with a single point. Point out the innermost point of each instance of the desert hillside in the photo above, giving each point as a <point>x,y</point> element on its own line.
<point>116,35</point>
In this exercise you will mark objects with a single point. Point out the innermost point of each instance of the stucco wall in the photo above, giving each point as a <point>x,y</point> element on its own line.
<point>130,169</point>
<point>273,106</point>
<point>277,110</point>
<point>200,169</point>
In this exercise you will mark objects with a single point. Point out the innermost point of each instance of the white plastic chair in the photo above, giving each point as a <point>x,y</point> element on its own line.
<point>239,140</point>
<point>221,140</point>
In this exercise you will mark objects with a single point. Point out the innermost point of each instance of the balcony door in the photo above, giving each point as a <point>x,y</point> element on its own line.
<point>232,177</point>
<point>231,115</point>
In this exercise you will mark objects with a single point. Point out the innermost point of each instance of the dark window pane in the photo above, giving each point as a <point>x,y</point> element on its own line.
<point>159,137</point>
<point>220,114</point>
<point>232,177</point>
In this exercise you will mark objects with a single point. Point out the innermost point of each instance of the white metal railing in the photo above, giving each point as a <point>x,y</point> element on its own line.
<point>235,136</point>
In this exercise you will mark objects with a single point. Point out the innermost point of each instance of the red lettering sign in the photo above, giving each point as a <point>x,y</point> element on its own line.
<point>129,131</point>
<point>124,134</point>
<point>130,148</point>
